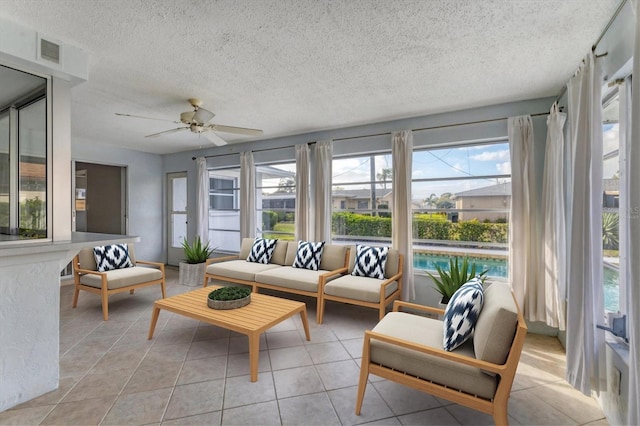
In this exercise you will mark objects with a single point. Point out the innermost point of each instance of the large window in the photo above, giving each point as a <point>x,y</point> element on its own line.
<point>361,197</point>
<point>23,156</point>
<point>611,202</point>
<point>276,200</point>
<point>224,209</point>
<point>461,200</point>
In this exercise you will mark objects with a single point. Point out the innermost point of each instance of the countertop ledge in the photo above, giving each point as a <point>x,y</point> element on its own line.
<point>30,249</point>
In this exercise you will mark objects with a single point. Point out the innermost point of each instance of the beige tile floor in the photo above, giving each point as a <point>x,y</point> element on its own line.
<point>195,374</point>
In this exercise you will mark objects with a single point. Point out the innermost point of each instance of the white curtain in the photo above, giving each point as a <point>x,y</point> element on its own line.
<point>302,192</point>
<point>550,306</point>
<point>321,187</point>
<point>247,195</point>
<point>401,226</point>
<point>523,229</point>
<point>584,234</point>
<point>202,200</point>
<point>633,295</point>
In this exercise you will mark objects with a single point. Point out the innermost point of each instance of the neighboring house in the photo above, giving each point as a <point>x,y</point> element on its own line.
<point>611,193</point>
<point>495,197</point>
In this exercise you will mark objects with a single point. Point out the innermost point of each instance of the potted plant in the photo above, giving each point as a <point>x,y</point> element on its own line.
<point>229,297</point>
<point>449,281</point>
<point>195,256</point>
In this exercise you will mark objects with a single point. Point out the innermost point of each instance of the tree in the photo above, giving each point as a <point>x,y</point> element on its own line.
<point>430,201</point>
<point>445,202</point>
<point>286,184</point>
<point>384,175</point>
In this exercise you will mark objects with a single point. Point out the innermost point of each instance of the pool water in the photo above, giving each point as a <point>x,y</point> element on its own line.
<point>500,268</point>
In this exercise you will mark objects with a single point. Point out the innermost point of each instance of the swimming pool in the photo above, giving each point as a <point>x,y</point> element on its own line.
<point>499,268</point>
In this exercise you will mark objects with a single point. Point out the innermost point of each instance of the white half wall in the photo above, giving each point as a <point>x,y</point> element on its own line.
<point>145,187</point>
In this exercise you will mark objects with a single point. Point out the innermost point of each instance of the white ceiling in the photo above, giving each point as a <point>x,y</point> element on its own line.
<point>296,66</point>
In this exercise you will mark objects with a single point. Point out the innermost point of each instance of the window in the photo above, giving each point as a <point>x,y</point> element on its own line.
<point>276,200</point>
<point>611,202</point>
<point>461,200</point>
<point>23,158</point>
<point>361,195</point>
<point>223,193</point>
<point>224,209</point>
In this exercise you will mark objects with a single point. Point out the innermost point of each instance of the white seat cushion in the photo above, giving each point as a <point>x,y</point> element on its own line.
<point>239,269</point>
<point>294,278</point>
<point>358,288</point>
<point>119,278</point>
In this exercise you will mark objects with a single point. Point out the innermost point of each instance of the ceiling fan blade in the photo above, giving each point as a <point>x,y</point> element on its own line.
<point>202,115</point>
<point>166,132</point>
<point>215,139</point>
<point>238,130</point>
<point>146,118</point>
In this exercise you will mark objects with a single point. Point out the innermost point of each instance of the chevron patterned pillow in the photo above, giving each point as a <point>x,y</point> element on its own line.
<point>262,250</point>
<point>370,261</point>
<point>115,256</point>
<point>461,314</point>
<point>309,255</point>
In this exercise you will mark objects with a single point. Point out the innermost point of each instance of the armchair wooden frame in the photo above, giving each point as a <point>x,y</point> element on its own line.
<point>497,407</point>
<point>104,290</point>
<point>380,305</point>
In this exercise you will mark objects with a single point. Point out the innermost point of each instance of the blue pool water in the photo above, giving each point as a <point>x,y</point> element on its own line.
<point>499,268</point>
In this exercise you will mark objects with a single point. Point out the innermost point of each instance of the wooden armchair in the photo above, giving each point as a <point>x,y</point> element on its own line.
<point>86,277</point>
<point>407,348</point>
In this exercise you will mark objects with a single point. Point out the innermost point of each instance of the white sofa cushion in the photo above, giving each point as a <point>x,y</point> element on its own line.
<point>239,269</point>
<point>290,277</point>
<point>119,278</point>
<point>358,288</point>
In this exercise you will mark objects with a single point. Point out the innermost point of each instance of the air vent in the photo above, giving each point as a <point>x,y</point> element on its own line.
<point>49,51</point>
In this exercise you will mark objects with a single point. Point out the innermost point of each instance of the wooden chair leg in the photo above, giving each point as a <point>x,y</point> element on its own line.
<point>76,292</point>
<point>162,286</point>
<point>131,291</point>
<point>364,375</point>
<point>105,304</point>
<point>500,417</point>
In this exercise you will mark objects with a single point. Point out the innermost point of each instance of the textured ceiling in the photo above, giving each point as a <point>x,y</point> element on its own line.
<point>295,66</point>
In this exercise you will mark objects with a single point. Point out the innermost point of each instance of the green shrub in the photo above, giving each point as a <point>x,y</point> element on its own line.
<point>230,293</point>
<point>269,219</point>
<point>196,252</point>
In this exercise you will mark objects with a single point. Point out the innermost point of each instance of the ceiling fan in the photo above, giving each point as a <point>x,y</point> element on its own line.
<point>197,121</point>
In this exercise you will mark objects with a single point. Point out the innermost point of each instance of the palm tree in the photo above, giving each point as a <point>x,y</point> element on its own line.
<point>430,201</point>
<point>384,175</point>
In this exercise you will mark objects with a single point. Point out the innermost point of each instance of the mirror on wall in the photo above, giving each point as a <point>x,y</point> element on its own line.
<point>23,155</point>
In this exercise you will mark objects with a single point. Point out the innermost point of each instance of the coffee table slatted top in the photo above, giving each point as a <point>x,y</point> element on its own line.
<point>252,320</point>
<point>261,314</point>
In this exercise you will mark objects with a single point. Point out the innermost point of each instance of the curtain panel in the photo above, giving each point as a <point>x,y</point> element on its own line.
<point>524,254</point>
<point>302,192</point>
<point>247,195</point>
<point>633,209</point>
<point>585,343</point>
<point>321,190</point>
<point>550,298</point>
<point>401,222</point>
<point>202,200</point>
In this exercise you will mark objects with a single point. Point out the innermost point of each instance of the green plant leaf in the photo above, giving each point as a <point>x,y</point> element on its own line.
<point>196,252</point>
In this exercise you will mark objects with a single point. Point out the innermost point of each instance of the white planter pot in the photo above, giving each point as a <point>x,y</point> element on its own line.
<point>191,274</point>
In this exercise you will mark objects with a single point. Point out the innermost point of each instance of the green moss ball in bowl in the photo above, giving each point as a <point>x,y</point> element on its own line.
<point>229,297</point>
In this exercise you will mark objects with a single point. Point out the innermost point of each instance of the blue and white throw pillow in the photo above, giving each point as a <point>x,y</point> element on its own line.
<point>370,261</point>
<point>308,255</point>
<point>262,250</point>
<point>115,256</point>
<point>461,314</point>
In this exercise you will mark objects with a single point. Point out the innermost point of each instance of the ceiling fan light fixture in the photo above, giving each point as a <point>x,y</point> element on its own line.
<point>196,128</point>
<point>187,117</point>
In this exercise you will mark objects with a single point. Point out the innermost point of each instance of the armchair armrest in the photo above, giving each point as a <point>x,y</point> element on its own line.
<point>389,280</point>
<point>219,259</point>
<point>89,271</point>
<point>440,353</point>
<point>158,265</point>
<point>398,304</point>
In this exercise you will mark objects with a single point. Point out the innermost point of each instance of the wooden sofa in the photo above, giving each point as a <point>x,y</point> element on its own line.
<point>86,277</point>
<point>278,274</point>
<point>408,349</point>
<point>364,291</point>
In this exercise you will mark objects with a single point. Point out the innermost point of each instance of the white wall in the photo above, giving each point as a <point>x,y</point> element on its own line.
<point>145,182</point>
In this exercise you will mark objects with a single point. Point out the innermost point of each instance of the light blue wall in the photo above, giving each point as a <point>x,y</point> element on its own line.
<point>145,192</point>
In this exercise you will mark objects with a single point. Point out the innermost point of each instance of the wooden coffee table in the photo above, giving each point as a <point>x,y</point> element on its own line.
<point>258,316</point>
